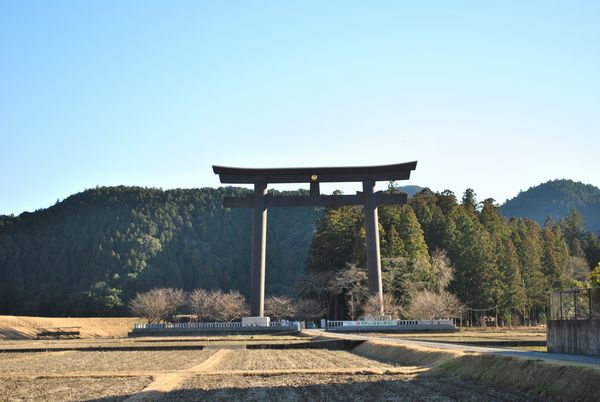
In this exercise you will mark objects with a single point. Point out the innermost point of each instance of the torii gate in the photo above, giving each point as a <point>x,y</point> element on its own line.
<point>260,201</point>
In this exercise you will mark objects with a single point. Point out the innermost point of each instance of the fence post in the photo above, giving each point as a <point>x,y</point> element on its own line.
<point>590,301</point>
<point>560,301</point>
<point>575,302</point>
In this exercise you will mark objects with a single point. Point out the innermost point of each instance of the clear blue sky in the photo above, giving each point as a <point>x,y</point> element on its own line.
<point>497,96</point>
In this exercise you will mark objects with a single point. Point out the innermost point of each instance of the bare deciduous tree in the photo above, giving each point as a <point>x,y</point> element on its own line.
<point>577,268</point>
<point>351,282</point>
<point>315,286</point>
<point>231,306</point>
<point>442,270</point>
<point>202,303</point>
<point>310,310</point>
<point>218,306</point>
<point>391,307</point>
<point>428,305</point>
<point>176,297</point>
<point>280,307</point>
<point>157,304</point>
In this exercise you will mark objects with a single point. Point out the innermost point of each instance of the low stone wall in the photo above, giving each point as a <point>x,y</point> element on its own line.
<point>577,337</point>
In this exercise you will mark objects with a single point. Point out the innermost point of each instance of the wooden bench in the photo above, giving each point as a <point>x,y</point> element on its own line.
<point>58,332</point>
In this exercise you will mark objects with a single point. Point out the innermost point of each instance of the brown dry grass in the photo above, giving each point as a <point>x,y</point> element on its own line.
<point>295,359</point>
<point>405,355</point>
<point>475,335</point>
<point>22,327</point>
<point>71,389</point>
<point>325,387</point>
<point>377,370</point>
<point>263,375</point>
<point>537,378</point>
<point>50,344</point>
<point>94,362</point>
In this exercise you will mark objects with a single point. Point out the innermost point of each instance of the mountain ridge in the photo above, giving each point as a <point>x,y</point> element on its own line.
<point>555,199</point>
<point>112,242</point>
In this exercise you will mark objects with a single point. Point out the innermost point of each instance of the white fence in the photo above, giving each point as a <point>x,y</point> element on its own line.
<point>210,325</point>
<point>389,325</point>
<point>384,323</point>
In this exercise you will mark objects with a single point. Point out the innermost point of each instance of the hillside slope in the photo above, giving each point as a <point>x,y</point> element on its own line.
<point>91,253</point>
<point>23,327</point>
<point>556,198</point>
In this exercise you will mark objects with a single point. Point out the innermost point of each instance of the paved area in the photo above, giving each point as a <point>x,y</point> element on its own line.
<point>551,357</point>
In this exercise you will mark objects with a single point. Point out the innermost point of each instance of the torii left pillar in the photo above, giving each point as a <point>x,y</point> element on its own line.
<point>259,251</point>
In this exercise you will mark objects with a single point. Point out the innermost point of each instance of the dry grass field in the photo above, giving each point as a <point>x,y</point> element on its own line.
<point>99,363</point>
<point>478,335</point>
<point>125,343</point>
<point>226,373</point>
<point>105,366</point>
<point>334,387</point>
<point>22,327</point>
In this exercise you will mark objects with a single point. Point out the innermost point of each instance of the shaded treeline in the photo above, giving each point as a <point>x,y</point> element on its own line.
<point>92,252</point>
<point>500,267</point>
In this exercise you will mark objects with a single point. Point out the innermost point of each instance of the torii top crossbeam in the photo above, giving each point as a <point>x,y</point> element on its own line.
<point>260,201</point>
<point>314,176</point>
<point>399,171</point>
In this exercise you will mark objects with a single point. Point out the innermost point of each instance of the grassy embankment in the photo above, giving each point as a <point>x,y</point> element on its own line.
<point>535,377</point>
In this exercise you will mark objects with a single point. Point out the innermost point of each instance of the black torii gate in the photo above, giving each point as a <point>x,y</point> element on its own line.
<point>260,201</point>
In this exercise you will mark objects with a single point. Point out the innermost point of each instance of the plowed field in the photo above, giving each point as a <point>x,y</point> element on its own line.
<point>225,374</point>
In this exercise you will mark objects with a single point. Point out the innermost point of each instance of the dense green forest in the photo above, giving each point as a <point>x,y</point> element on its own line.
<point>501,267</point>
<point>92,252</point>
<point>557,198</point>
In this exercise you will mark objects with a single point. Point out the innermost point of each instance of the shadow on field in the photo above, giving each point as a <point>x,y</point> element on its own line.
<point>9,333</point>
<point>329,388</point>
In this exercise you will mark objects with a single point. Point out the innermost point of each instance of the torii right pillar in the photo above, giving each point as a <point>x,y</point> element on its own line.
<point>372,240</point>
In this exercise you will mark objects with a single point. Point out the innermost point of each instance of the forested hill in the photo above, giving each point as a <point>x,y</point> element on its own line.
<point>556,198</point>
<point>411,190</point>
<point>93,251</point>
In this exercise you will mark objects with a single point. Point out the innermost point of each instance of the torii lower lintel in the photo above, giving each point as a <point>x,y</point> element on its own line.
<point>286,201</point>
<point>260,201</point>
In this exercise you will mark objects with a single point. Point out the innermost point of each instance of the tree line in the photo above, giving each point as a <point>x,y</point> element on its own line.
<point>92,253</point>
<point>438,250</point>
<point>201,305</point>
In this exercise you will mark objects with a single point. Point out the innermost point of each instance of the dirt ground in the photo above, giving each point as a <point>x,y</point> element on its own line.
<point>148,342</point>
<point>324,387</point>
<point>92,362</point>
<point>225,374</point>
<point>71,389</point>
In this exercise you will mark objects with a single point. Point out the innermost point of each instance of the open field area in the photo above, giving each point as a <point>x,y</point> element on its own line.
<point>524,338</point>
<point>22,327</point>
<point>168,343</point>
<point>228,373</point>
<point>282,368</point>
<point>478,334</point>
